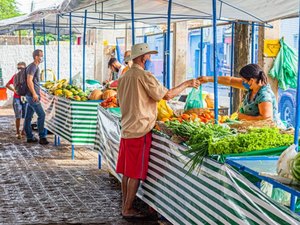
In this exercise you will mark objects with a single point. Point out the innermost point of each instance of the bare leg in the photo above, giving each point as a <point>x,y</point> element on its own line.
<point>124,190</point>
<point>18,122</point>
<point>132,187</point>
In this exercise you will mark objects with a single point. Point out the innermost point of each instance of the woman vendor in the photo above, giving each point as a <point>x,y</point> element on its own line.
<point>260,102</point>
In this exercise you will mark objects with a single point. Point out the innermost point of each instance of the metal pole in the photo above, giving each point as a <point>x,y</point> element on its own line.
<point>201,53</point>
<point>252,43</point>
<point>165,60</point>
<point>132,22</point>
<point>216,104</point>
<point>296,136</point>
<point>70,36</point>
<point>99,161</point>
<point>231,62</point>
<point>45,55</point>
<point>83,51</point>
<point>168,44</point>
<point>33,36</point>
<point>73,152</point>
<point>58,48</point>
<point>118,50</point>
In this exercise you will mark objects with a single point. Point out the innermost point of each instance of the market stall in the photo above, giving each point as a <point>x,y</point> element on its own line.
<point>215,194</point>
<point>73,120</point>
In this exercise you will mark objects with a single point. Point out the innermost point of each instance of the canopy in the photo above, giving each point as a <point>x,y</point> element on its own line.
<point>107,14</point>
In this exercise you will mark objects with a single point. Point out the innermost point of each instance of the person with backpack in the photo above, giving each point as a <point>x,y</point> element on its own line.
<point>19,104</point>
<point>32,84</point>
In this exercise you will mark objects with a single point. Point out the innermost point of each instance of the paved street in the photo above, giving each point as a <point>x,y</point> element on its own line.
<point>42,185</point>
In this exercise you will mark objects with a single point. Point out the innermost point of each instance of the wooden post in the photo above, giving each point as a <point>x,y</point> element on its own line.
<point>180,46</point>
<point>20,37</point>
<point>261,37</point>
<point>241,58</point>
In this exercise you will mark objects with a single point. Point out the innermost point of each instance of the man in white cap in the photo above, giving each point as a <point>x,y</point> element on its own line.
<point>138,94</point>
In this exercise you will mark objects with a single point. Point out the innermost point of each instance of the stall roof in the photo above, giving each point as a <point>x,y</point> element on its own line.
<point>107,14</point>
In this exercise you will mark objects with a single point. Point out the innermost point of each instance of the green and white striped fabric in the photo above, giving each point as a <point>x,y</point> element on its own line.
<point>74,121</point>
<point>216,194</point>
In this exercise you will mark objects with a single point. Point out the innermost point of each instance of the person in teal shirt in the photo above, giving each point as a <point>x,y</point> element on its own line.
<point>259,102</point>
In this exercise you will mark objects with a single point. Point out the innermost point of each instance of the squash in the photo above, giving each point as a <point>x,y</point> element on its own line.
<point>96,95</point>
<point>108,93</point>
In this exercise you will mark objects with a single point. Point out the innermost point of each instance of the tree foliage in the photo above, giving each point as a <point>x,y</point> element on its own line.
<point>39,38</point>
<point>8,9</point>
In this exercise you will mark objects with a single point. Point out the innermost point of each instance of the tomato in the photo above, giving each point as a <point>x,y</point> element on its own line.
<point>185,116</point>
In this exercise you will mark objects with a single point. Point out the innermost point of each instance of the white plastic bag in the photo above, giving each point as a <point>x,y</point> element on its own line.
<point>283,164</point>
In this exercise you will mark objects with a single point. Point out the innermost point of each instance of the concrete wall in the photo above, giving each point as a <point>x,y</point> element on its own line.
<point>289,30</point>
<point>10,55</point>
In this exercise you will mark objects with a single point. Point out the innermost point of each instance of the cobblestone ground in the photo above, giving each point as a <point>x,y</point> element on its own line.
<point>42,185</point>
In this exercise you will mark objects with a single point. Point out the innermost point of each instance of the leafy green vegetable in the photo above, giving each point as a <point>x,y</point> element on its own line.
<point>213,139</point>
<point>254,139</point>
<point>201,140</point>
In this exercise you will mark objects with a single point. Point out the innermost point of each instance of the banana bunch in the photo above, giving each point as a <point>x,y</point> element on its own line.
<point>53,86</point>
<point>48,84</point>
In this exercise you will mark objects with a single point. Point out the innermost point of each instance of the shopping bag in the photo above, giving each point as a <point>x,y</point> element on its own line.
<point>285,68</point>
<point>194,99</point>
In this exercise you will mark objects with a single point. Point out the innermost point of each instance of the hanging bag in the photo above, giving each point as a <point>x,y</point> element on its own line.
<point>194,99</point>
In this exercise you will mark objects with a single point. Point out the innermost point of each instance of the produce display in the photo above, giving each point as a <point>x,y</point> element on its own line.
<point>206,139</point>
<point>111,102</point>
<point>108,93</point>
<point>63,89</point>
<point>204,116</point>
<point>164,111</point>
<point>96,95</point>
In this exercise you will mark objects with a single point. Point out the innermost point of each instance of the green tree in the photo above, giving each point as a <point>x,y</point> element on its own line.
<point>8,9</point>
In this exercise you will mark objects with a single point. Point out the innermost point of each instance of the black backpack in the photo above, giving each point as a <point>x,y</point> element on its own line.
<point>20,82</point>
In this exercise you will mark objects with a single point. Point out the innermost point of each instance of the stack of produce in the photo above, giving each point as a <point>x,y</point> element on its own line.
<point>206,116</point>
<point>164,111</point>
<point>63,89</point>
<point>111,102</point>
<point>95,95</point>
<point>214,139</point>
<point>108,93</point>
<point>99,95</point>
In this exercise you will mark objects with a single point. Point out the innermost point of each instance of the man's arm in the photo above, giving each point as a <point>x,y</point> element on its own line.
<point>180,88</point>
<point>31,87</point>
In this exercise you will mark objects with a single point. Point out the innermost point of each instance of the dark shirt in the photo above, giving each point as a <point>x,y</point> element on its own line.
<point>34,70</point>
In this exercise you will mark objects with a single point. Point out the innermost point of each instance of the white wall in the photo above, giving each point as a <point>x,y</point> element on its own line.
<point>289,30</point>
<point>10,55</point>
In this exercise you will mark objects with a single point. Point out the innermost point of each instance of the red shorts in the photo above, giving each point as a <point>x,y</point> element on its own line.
<point>133,156</point>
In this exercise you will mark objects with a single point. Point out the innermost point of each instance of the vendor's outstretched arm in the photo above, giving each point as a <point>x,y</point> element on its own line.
<point>180,88</point>
<point>234,82</point>
<point>265,112</point>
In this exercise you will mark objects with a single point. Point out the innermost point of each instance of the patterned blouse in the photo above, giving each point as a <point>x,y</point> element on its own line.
<point>265,94</point>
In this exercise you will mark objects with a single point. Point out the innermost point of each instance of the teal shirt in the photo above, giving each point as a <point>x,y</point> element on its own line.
<point>265,94</point>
